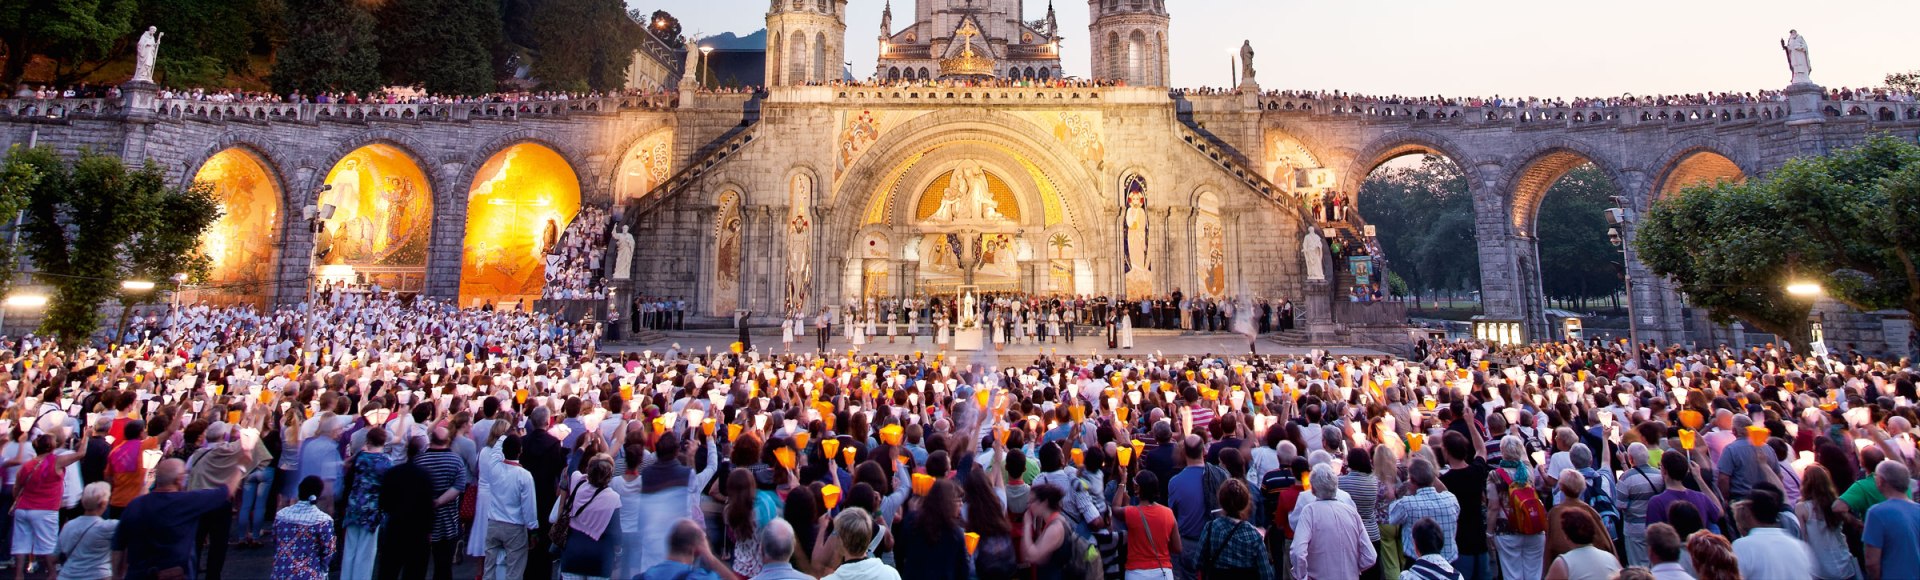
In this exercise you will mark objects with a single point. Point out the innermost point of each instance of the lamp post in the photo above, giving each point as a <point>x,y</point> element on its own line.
<point>706,66</point>
<point>316,214</point>
<point>129,287</point>
<point>20,302</point>
<point>1617,219</point>
<point>1811,291</point>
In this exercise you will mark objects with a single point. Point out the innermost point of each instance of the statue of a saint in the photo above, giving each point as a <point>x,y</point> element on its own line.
<point>967,310</point>
<point>623,255</point>
<point>144,54</point>
<point>1796,48</point>
<point>1246,61</point>
<point>1314,251</point>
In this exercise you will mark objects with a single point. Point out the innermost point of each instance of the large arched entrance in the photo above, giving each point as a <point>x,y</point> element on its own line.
<point>380,224</point>
<point>520,203</point>
<point>243,244</point>
<point>1558,214</point>
<point>984,199</point>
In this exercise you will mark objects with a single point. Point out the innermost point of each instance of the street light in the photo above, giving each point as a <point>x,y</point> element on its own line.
<point>1805,289</point>
<point>26,301</point>
<point>137,285</point>
<point>706,52</point>
<point>1617,218</point>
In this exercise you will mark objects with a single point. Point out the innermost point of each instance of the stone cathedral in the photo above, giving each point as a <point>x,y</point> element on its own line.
<point>972,160</point>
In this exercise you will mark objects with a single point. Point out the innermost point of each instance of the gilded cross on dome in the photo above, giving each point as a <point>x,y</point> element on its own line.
<point>968,63</point>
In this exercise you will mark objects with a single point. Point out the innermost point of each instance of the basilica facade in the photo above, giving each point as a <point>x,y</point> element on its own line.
<point>980,165</point>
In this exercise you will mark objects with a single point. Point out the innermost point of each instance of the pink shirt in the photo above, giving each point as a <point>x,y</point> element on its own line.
<point>39,485</point>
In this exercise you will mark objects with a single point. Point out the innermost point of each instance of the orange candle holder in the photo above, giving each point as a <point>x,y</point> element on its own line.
<point>831,447</point>
<point>922,483</point>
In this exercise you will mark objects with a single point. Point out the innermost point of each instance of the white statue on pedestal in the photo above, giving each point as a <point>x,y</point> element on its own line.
<point>1246,62</point>
<point>1796,49</point>
<point>1314,251</point>
<point>623,257</point>
<point>144,54</point>
<point>967,310</point>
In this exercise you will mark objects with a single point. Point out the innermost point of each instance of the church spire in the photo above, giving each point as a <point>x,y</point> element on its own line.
<point>886,20</point>
<point>1053,26</point>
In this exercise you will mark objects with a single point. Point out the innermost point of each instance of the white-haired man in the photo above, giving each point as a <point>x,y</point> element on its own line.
<point>1329,540</point>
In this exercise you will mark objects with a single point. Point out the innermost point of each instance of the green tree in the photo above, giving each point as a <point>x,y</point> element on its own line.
<point>168,244</point>
<point>1908,82</point>
<point>583,45</point>
<point>1857,208</point>
<point>91,223</point>
<point>1425,219</point>
<point>443,46</point>
<point>1577,261</point>
<point>1844,220</point>
<point>207,40</point>
<point>79,35</point>
<point>17,180</point>
<point>1726,247</point>
<point>330,48</point>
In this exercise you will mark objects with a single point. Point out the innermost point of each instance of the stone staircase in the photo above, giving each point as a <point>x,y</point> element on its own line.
<point>1295,338</point>
<point>707,158</point>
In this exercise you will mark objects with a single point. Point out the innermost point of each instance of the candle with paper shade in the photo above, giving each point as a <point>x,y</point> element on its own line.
<point>922,483</point>
<point>1079,457</point>
<point>890,434</point>
<point>848,453</point>
<point>973,541</point>
<point>1692,419</point>
<point>733,431</point>
<point>830,447</point>
<point>1758,435</point>
<point>1125,455</point>
<point>830,495</point>
<point>1687,438</point>
<point>784,456</point>
<point>800,439</point>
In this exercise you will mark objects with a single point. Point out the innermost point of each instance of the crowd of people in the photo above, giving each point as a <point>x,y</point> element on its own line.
<point>1022,318</point>
<point>390,96</point>
<point>574,258</point>
<point>1880,94</point>
<point>371,436</point>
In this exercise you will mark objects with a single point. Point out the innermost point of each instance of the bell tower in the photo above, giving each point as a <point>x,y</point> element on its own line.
<point>1129,41</point>
<point>806,42</point>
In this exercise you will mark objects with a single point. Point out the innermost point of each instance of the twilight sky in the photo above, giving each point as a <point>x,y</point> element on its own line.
<point>1462,47</point>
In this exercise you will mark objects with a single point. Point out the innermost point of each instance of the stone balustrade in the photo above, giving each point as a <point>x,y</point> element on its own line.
<point>310,112</point>
<point>1625,114</point>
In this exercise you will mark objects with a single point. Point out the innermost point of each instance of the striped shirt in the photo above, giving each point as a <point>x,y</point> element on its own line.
<point>447,471</point>
<point>1366,499</point>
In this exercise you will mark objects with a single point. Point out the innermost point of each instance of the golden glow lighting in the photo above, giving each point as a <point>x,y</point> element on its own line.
<point>521,201</point>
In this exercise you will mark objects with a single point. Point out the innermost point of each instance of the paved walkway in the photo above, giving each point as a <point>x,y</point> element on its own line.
<point>1145,343</point>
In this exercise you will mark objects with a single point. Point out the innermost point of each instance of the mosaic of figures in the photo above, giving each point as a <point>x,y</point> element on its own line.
<point>383,210</point>
<point>727,226</point>
<point>241,243</point>
<point>648,164</point>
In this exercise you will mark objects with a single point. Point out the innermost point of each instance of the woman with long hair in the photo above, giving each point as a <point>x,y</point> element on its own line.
<point>804,511</point>
<point>1153,536</point>
<point>929,544</point>
<point>741,524</point>
<point>1822,528</point>
<point>994,556</point>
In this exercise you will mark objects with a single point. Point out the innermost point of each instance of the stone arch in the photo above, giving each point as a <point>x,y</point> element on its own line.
<point>1548,161</point>
<point>871,179</point>
<point>591,189</point>
<point>820,67</point>
<point>1207,245</point>
<point>532,196</point>
<point>1136,64</point>
<point>1399,143</point>
<point>362,234</point>
<point>614,186</point>
<point>797,52</point>
<point>1693,163</point>
<point>246,243</point>
<point>915,185</point>
<point>1116,56</point>
<point>726,270</point>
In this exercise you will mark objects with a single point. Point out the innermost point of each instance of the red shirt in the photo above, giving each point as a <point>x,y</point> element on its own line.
<point>1288,497</point>
<point>1148,528</point>
<point>40,483</point>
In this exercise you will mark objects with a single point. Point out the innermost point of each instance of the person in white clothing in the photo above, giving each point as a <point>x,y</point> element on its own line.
<point>511,512</point>
<point>1768,552</point>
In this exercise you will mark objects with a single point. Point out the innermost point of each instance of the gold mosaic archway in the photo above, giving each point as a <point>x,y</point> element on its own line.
<point>520,203</point>
<point>242,243</point>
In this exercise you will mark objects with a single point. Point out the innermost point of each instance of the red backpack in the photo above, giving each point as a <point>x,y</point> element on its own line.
<point>1525,513</point>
